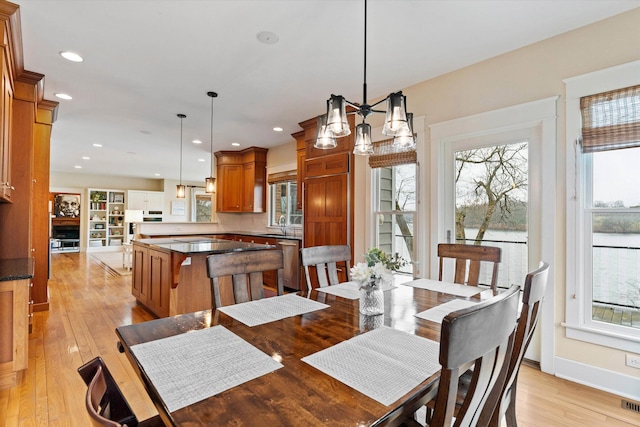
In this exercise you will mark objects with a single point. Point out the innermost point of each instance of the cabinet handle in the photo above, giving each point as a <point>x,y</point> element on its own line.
<point>29,316</point>
<point>31,302</point>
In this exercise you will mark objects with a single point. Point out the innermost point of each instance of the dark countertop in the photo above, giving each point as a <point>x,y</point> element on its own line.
<point>260,234</point>
<point>192,245</point>
<point>16,269</point>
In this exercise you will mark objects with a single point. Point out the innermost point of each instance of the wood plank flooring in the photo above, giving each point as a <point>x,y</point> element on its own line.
<point>87,303</point>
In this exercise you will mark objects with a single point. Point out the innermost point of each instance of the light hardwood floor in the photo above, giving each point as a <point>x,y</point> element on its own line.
<point>87,302</point>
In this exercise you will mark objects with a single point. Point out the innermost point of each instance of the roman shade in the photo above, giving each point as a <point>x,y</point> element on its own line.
<point>282,177</point>
<point>385,155</point>
<point>611,120</point>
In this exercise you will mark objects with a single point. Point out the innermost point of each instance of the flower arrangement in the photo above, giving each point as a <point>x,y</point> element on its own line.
<point>378,267</point>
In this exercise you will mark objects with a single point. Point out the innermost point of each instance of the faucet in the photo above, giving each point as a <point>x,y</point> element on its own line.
<point>282,222</point>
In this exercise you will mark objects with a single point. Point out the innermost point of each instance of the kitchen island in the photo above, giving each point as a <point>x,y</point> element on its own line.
<point>169,275</point>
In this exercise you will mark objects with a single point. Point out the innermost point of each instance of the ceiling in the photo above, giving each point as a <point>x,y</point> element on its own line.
<point>146,61</point>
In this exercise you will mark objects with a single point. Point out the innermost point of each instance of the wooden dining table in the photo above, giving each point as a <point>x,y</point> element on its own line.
<point>297,394</point>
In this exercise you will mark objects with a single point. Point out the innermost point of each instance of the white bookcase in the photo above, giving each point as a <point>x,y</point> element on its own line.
<point>106,230</point>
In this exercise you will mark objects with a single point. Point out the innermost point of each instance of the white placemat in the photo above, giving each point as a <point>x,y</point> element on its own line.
<point>445,287</point>
<point>384,364</point>
<point>267,310</point>
<point>349,290</point>
<point>190,367</point>
<point>436,314</point>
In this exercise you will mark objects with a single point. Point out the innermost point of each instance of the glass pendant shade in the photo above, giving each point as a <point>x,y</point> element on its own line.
<point>337,116</point>
<point>210,185</point>
<point>395,122</point>
<point>363,145</point>
<point>405,141</point>
<point>324,139</point>
<point>180,191</point>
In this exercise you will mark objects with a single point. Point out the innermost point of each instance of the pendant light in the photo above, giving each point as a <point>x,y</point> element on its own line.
<point>397,121</point>
<point>181,189</point>
<point>210,182</point>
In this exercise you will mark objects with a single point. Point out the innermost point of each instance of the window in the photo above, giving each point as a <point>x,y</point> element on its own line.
<point>283,210</point>
<point>395,202</point>
<point>201,207</point>
<point>603,220</point>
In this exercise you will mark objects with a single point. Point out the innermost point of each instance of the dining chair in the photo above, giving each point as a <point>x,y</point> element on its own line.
<point>105,403</point>
<point>245,270</point>
<point>535,285</point>
<point>473,255</point>
<point>478,337</point>
<point>325,259</point>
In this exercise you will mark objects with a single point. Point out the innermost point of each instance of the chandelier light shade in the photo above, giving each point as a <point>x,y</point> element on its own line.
<point>363,145</point>
<point>325,139</point>
<point>210,181</point>
<point>406,141</point>
<point>181,189</point>
<point>396,124</point>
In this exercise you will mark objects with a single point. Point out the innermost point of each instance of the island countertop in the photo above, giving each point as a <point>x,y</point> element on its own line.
<point>192,245</point>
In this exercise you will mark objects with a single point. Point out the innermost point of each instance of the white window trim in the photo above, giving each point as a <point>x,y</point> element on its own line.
<point>578,321</point>
<point>542,113</point>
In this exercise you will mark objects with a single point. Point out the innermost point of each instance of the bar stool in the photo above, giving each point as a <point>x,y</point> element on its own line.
<point>127,255</point>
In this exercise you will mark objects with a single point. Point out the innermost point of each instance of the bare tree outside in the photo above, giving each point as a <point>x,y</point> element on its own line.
<point>491,185</point>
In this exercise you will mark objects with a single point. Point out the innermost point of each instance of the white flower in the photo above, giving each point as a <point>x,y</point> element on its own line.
<point>363,274</point>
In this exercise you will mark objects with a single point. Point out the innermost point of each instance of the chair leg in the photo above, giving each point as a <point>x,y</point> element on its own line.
<point>510,414</point>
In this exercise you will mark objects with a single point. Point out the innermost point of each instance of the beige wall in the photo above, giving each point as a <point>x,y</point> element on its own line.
<point>524,75</point>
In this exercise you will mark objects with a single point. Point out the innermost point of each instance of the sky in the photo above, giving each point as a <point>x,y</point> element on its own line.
<point>617,176</point>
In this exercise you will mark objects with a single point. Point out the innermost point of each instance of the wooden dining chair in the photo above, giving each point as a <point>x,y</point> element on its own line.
<point>473,255</point>
<point>324,260</point>
<point>480,337</point>
<point>105,403</point>
<point>535,286</point>
<point>245,271</point>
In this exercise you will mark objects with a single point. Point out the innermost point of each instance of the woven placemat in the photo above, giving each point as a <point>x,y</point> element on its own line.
<point>191,367</point>
<point>267,310</point>
<point>383,364</point>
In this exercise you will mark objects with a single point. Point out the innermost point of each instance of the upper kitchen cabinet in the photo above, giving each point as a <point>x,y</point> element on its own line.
<point>151,203</point>
<point>241,180</point>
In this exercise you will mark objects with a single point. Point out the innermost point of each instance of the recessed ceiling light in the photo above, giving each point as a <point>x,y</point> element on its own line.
<point>235,144</point>
<point>97,145</point>
<point>86,158</point>
<point>71,56</point>
<point>197,141</point>
<point>267,37</point>
<point>156,174</point>
<point>63,96</point>
<point>278,129</point>
<point>201,160</point>
<point>78,167</point>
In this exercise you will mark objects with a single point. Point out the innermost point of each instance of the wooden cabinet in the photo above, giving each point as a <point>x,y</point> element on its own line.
<point>151,278</point>
<point>140,273</point>
<point>291,271</point>
<point>159,282</point>
<point>328,187</point>
<point>241,180</point>
<point>6,111</point>
<point>14,329</point>
<point>301,148</point>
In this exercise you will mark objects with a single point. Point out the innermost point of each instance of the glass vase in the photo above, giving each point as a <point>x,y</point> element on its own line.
<point>371,298</point>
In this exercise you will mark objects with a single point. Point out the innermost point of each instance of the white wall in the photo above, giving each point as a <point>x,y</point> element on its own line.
<point>528,74</point>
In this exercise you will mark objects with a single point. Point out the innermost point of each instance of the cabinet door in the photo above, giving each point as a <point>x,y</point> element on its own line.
<point>6,108</point>
<point>248,183</point>
<point>139,274</point>
<point>300,177</point>
<point>155,201</point>
<point>229,196</point>
<point>136,200</point>
<point>159,282</point>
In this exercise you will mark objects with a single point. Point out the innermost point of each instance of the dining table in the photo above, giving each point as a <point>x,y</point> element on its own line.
<point>319,363</point>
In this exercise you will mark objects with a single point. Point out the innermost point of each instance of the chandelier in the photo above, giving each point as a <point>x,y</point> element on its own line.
<point>398,123</point>
<point>180,188</point>
<point>210,181</point>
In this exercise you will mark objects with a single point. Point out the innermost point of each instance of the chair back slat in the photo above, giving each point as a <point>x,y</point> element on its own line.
<point>324,260</point>
<point>246,272</point>
<point>468,260</point>
<point>481,335</point>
